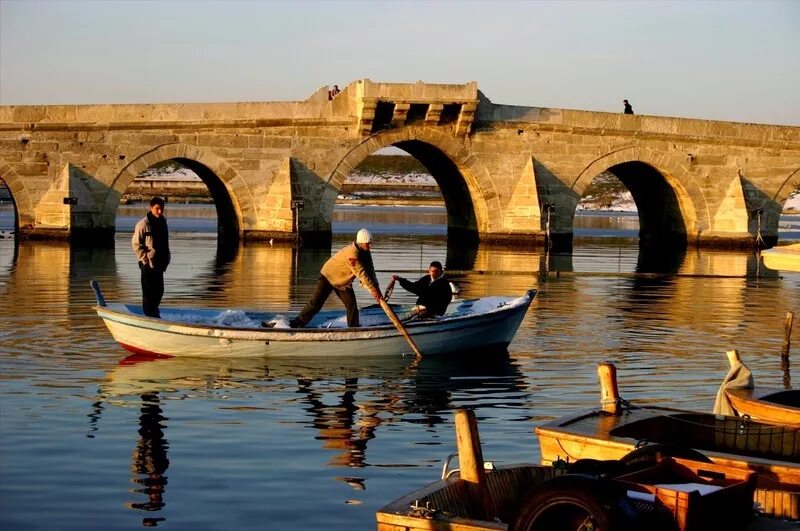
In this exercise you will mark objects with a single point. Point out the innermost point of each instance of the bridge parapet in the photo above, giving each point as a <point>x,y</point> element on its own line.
<point>391,105</point>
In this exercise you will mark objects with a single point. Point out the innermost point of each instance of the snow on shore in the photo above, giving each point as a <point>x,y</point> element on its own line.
<point>624,203</point>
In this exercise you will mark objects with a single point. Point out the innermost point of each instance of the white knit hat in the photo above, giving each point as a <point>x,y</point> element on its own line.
<point>364,236</point>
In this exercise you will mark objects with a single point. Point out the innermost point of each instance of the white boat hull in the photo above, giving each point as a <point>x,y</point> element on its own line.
<point>456,332</point>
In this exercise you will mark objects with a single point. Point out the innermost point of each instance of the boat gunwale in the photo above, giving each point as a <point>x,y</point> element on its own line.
<point>560,428</point>
<point>756,403</point>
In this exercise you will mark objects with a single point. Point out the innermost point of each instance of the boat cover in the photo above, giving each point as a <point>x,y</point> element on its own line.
<point>738,377</point>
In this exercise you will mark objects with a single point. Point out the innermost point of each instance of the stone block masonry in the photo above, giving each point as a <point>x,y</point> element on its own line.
<point>694,181</point>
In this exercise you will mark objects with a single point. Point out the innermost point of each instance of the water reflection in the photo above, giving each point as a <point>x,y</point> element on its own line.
<point>150,462</point>
<point>347,402</point>
<point>353,421</point>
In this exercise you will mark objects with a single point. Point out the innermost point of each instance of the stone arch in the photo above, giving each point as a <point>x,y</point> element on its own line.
<point>469,192</point>
<point>229,191</point>
<point>26,215</point>
<point>789,185</point>
<point>691,201</point>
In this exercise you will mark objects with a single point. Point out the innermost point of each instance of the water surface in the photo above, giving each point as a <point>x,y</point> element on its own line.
<point>91,439</point>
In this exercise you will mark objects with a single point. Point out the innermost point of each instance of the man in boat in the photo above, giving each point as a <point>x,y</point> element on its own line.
<point>151,244</point>
<point>337,275</point>
<point>433,290</point>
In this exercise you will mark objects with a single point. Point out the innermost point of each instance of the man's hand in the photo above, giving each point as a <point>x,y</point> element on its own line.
<point>395,277</point>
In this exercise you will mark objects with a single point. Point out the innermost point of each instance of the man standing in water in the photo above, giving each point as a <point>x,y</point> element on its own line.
<point>151,244</point>
<point>337,275</point>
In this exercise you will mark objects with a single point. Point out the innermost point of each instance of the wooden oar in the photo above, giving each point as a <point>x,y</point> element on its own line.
<point>399,325</point>
<point>395,320</point>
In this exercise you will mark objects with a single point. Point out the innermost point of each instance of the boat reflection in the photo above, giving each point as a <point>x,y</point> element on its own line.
<point>344,401</point>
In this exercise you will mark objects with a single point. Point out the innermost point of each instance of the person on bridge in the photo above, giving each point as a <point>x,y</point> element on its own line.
<point>337,275</point>
<point>151,244</point>
<point>333,92</point>
<point>433,290</point>
<point>628,108</point>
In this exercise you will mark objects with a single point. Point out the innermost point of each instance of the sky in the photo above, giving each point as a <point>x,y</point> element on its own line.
<point>734,61</point>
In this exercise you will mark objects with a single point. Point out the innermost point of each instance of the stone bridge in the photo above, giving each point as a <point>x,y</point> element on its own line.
<point>507,173</point>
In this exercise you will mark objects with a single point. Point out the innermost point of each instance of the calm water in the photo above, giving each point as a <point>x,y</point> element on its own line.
<point>94,441</point>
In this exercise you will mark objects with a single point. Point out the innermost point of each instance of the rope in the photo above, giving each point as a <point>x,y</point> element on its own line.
<point>759,243</point>
<point>742,423</point>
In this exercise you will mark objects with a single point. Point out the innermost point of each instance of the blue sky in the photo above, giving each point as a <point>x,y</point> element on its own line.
<point>737,61</point>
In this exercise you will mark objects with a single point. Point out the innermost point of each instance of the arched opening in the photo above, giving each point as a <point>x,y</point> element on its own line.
<point>9,220</point>
<point>660,217</point>
<point>9,227</point>
<point>789,222</point>
<point>633,205</point>
<point>639,189</point>
<point>416,195</point>
<point>395,196</point>
<point>467,189</point>
<point>606,209</point>
<point>416,175</point>
<point>394,189</point>
<point>198,200</point>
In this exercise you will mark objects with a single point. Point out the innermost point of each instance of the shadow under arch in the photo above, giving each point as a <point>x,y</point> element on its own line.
<point>24,216</point>
<point>224,184</point>
<point>464,182</point>
<point>672,207</point>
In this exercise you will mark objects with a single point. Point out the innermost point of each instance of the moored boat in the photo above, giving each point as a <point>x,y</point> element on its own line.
<point>674,494</point>
<point>767,404</point>
<point>739,396</point>
<point>783,258</point>
<point>619,427</point>
<point>487,323</point>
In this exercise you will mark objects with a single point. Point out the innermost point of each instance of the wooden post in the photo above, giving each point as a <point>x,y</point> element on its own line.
<point>609,394</point>
<point>470,460</point>
<point>787,341</point>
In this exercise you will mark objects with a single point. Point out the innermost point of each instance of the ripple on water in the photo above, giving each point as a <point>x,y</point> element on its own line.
<point>312,442</point>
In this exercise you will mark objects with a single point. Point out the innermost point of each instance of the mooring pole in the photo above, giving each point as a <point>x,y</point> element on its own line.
<point>470,461</point>
<point>787,341</point>
<point>609,393</point>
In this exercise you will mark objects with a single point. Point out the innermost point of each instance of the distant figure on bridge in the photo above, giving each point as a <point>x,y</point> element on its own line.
<point>333,92</point>
<point>432,289</point>
<point>337,275</point>
<point>628,108</point>
<point>151,244</point>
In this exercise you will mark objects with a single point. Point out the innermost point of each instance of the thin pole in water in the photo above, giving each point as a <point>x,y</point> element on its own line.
<point>787,341</point>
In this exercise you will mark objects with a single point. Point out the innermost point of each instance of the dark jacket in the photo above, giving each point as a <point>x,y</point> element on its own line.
<point>435,296</point>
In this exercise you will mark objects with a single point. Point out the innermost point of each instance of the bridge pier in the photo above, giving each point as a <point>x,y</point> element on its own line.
<point>67,166</point>
<point>88,237</point>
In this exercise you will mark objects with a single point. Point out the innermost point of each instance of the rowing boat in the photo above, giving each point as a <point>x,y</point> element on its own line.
<point>767,404</point>
<point>678,494</point>
<point>484,324</point>
<point>739,396</point>
<point>619,427</point>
